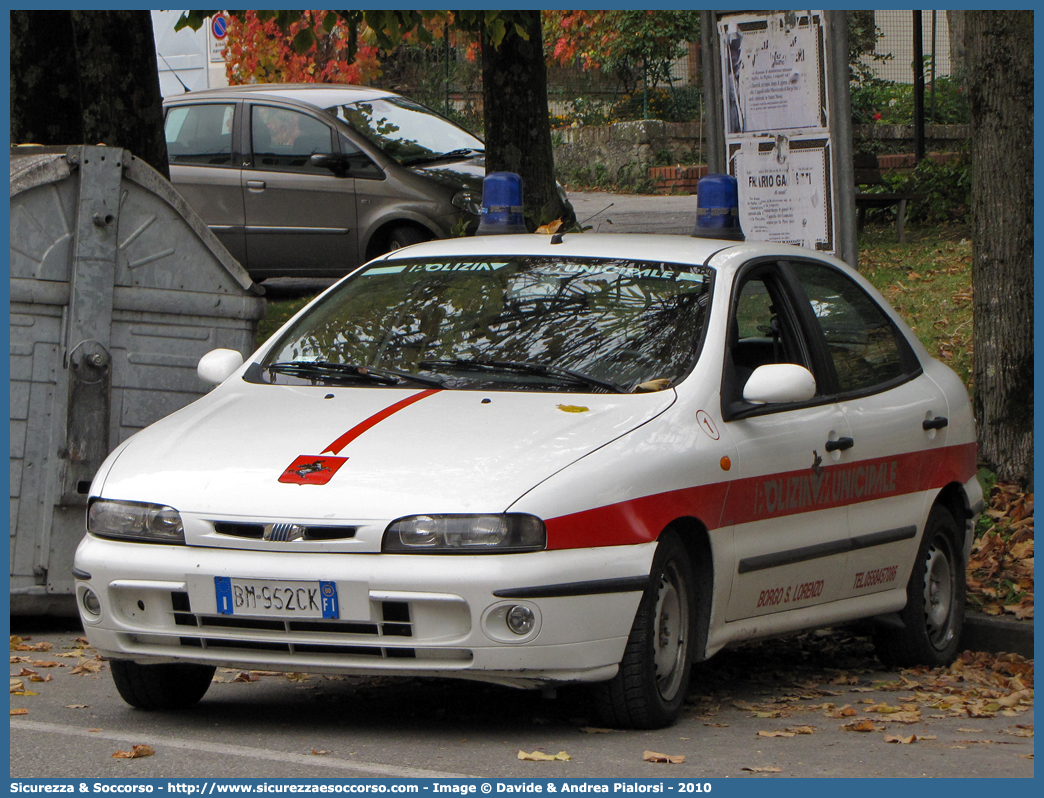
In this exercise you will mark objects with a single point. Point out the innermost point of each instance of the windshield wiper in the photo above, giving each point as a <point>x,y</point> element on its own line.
<point>540,369</point>
<point>324,369</point>
<point>466,152</point>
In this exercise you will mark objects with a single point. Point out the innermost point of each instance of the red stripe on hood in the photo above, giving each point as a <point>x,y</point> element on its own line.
<point>375,419</point>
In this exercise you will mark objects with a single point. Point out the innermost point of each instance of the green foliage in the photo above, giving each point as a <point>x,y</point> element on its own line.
<point>876,101</point>
<point>946,186</point>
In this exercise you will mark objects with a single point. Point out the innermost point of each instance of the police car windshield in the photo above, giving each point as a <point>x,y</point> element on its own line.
<point>584,325</point>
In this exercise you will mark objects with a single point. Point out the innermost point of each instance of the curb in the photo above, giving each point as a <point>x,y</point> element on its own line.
<point>996,634</point>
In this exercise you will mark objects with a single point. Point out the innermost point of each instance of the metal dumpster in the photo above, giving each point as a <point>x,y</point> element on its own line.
<point>117,289</point>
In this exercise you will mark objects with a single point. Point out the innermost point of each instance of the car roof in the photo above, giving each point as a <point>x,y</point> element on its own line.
<point>632,246</point>
<point>723,255</point>
<point>319,95</point>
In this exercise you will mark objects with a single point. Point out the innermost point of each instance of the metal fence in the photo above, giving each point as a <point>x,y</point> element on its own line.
<point>894,51</point>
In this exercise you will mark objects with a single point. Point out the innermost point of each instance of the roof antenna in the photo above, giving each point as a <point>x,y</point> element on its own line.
<point>557,237</point>
<point>174,72</point>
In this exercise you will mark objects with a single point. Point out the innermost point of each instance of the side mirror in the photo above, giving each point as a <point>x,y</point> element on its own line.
<point>779,382</point>
<point>335,162</point>
<point>218,365</point>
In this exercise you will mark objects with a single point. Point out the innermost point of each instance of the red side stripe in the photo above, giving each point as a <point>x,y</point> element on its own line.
<point>742,501</point>
<point>375,419</point>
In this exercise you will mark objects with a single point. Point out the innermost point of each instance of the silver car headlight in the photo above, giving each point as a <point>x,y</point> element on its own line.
<point>465,534</point>
<point>153,523</point>
<point>468,201</point>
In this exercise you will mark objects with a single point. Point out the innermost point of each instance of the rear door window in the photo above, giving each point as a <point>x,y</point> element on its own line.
<point>200,135</point>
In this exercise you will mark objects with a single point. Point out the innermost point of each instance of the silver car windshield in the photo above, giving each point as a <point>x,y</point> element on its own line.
<point>407,131</point>
<point>513,323</point>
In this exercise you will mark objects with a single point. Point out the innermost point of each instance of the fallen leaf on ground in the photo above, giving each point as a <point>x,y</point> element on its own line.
<point>45,664</point>
<point>764,770</point>
<point>83,640</point>
<point>902,740</point>
<point>317,752</point>
<point>94,730</point>
<point>596,730</point>
<point>776,734</point>
<point>859,726</point>
<point>38,678</point>
<point>802,729</point>
<point>87,666</point>
<point>136,752</point>
<point>540,756</point>
<point>244,676</point>
<point>42,646</point>
<point>19,711</point>
<point>1019,732</point>
<point>670,759</point>
<point>77,706</point>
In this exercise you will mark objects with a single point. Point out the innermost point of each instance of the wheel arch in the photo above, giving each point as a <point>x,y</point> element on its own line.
<point>955,499</point>
<point>376,244</point>
<point>696,539</point>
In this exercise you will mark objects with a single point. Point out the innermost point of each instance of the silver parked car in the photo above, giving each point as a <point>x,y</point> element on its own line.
<point>315,179</point>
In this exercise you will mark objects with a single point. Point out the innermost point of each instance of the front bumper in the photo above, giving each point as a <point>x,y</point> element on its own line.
<point>400,614</point>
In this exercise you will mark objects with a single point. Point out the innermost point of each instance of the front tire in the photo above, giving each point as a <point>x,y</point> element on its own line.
<point>168,686</point>
<point>405,235</point>
<point>934,612</point>
<point>649,690</point>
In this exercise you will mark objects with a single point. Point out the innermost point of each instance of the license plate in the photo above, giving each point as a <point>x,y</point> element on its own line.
<point>276,598</point>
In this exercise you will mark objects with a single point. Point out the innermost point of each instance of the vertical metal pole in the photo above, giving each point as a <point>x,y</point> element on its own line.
<point>840,124</point>
<point>918,87</point>
<point>710,58</point>
<point>931,113</point>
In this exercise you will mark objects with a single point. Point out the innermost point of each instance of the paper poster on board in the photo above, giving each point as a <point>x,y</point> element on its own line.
<point>773,71</point>
<point>784,194</point>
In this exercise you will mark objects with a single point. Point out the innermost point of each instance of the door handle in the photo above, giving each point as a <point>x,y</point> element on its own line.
<point>934,423</point>
<point>255,185</point>
<point>840,444</point>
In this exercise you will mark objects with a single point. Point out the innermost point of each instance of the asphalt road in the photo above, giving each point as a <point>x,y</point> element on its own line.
<point>281,726</point>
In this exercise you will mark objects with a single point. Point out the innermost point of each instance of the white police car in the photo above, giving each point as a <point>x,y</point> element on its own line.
<point>533,460</point>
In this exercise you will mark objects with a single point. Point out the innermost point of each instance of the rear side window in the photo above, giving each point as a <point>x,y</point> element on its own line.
<point>200,134</point>
<point>866,349</point>
<point>285,140</point>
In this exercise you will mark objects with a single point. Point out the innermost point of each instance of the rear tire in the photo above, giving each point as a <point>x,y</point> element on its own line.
<point>168,686</point>
<point>650,688</point>
<point>934,612</point>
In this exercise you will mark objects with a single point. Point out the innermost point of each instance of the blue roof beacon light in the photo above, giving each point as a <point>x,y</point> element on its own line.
<point>501,211</point>
<point>717,208</point>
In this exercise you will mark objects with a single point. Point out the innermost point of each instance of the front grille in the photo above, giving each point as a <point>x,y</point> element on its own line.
<point>279,531</point>
<point>395,615</point>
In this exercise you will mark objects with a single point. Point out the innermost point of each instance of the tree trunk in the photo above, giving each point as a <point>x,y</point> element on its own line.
<point>517,131</point>
<point>87,77</point>
<point>955,22</point>
<point>999,51</point>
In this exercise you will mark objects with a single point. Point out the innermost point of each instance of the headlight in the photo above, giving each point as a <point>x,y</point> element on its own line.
<point>468,201</point>
<point>135,521</point>
<point>465,534</point>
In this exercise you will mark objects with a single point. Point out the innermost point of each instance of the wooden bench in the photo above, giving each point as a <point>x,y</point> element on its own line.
<point>867,173</point>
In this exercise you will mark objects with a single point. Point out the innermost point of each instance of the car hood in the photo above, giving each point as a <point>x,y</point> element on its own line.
<point>455,174</point>
<point>364,453</point>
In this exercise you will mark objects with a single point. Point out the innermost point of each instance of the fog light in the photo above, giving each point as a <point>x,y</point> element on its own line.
<point>91,603</point>
<point>520,619</point>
